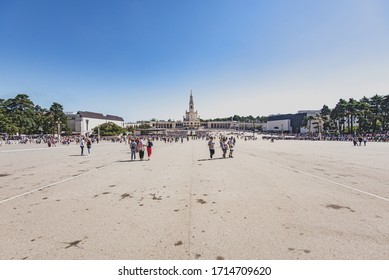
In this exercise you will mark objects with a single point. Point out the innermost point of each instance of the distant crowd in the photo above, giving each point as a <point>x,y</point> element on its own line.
<point>181,136</point>
<point>376,137</point>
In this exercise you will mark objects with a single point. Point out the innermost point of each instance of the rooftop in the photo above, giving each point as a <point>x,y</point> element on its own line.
<point>100,116</point>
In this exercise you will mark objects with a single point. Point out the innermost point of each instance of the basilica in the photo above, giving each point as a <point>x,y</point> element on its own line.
<point>191,119</point>
<point>84,122</point>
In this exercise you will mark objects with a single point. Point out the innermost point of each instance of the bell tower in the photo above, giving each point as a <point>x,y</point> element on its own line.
<point>191,104</point>
<point>191,119</point>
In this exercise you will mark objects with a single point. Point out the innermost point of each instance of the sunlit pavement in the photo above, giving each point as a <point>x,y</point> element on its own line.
<point>282,200</point>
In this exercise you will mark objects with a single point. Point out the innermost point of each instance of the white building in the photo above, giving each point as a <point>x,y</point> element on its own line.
<point>167,124</point>
<point>283,124</point>
<point>292,123</point>
<point>295,123</point>
<point>235,125</point>
<point>84,122</point>
<point>191,119</point>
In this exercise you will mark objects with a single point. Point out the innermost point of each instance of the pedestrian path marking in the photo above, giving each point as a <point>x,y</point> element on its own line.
<point>57,183</point>
<point>46,148</point>
<point>330,181</point>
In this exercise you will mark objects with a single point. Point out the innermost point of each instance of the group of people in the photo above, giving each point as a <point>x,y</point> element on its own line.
<point>85,142</point>
<point>138,146</point>
<point>225,144</point>
<point>369,137</point>
<point>359,139</point>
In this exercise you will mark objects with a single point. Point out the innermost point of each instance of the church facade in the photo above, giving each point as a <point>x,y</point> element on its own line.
<point>191,119</point>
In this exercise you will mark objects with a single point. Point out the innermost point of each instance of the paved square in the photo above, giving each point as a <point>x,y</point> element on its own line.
<point>282,200</point>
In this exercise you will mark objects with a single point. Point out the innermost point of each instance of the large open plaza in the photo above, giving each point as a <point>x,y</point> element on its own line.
<point>281,200</point>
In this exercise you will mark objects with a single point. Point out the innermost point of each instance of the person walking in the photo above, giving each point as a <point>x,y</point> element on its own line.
<point>140,148</point>
<point>149,148</point>
<point>82,145</point>
<point>89,145</point>
<point>211,146</point>
<point>360,138</point>
<point>224,146</point>
<point>355,141</point>
<point>230,144</point>
<point>133,149</point>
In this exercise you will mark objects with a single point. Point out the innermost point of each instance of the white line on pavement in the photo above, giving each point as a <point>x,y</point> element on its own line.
<point>36,149</point>
<point>46,148</point>
<point>329,181</point>
<point>56,183</point>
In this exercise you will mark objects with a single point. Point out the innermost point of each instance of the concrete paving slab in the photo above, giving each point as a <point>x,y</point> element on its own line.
<point>282,200</point>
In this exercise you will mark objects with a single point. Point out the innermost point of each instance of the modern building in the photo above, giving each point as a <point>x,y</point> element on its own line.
<point>291,123</point>
<point>83,123</point>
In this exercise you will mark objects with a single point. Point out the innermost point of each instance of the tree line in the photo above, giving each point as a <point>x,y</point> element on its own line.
<point>19,115</point>
<point>371,115</point>
<point>238,118</point>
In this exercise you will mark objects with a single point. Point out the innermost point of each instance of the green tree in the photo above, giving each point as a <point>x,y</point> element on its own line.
<point>144,126</point>
<point>261,119</point>
<point>385,112</point>
<point>236,118</point>
<point>310,120</point>
<point>6,125</point>
<point>109,129</point>
<point>325,113</point>
<point>364,115</point>
<point>57,116</point>
<point>40,119</point>
<point>21,112</point>
<point>351,110</point>
<point>338,115</point>
<point>376,103</point>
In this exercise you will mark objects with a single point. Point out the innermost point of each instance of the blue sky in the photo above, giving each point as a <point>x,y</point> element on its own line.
<point>139,59</point>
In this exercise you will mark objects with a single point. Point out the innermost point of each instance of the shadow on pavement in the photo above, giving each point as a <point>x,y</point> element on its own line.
<point>206,159</point>
<point>128,160</point>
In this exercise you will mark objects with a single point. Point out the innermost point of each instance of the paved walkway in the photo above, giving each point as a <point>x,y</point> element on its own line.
<point>282,200</point>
